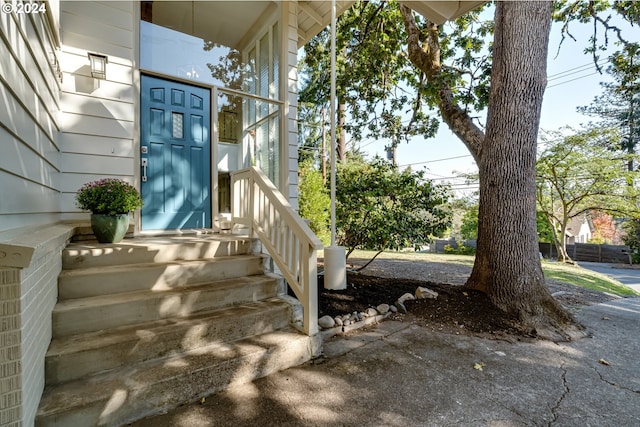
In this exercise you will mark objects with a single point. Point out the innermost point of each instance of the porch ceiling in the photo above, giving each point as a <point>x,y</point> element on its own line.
<point>222,21</point>
<point>314,16</point>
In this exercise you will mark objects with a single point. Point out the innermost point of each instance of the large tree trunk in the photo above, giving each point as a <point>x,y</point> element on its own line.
<point>507,266</point>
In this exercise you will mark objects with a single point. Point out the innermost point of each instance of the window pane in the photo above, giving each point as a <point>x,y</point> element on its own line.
<point>276,62</point>
<point>264,66</point>
<point>229,118</point>
<point>177,125</point>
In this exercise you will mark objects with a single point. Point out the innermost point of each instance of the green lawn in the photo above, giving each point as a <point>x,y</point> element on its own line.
<point>416,256</point>
<point>586,278</point>
<point>574,275</point>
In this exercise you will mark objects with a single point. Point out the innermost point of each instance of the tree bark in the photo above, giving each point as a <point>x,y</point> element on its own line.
<point>507,266</point>
<point>561,239</point>
<point>560,242</point>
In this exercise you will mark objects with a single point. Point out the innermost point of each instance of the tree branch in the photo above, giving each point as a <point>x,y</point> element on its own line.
<point>369,262</point>
<point>427,59</point>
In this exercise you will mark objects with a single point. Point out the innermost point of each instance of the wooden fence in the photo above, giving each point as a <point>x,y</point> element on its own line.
<point>588,252</point>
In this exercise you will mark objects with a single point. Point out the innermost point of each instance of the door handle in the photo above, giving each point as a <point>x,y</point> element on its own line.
<point>144,163</point>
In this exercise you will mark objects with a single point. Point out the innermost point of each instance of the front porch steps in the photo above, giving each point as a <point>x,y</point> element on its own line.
<point>178,319</point>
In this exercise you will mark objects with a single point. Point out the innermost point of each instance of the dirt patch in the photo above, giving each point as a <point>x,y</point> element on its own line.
<point>457,310</point>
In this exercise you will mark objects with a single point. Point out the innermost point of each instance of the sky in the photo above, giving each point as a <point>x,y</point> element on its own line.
<point>572,81</point>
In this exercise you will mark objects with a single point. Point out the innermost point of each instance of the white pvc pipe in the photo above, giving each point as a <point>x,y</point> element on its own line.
<point>335,267</point>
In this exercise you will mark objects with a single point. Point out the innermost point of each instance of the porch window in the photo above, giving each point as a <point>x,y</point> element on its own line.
<point>254,121</point>
<point>263,63</point>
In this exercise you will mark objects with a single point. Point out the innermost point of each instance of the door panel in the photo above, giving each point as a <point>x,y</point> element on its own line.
<point>175,133</point>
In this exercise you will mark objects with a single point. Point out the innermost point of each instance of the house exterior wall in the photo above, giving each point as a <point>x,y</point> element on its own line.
<point>97,116</point>
<point>290,46</point>
<point>29,125</point>
<point>30,177</point>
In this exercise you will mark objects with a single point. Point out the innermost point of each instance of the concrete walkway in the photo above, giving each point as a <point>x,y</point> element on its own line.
<point>399,374</point>
<point>627,276</point>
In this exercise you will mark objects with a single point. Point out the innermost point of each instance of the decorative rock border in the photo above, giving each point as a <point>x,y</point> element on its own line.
<point>342,324</point>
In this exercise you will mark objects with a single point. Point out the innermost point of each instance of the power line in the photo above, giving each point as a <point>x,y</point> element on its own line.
<point>572,80</point>
<point>436,160</point>
<point>580,68</point>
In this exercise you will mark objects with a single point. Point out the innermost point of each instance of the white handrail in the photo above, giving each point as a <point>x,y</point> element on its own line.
<point>259,205</point>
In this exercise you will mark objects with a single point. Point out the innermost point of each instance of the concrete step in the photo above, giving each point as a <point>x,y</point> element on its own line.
<point>96,281</point>
<point>142,250</point>
<point>82,315</point>
<point>73,357</point>
<point>125,395</point>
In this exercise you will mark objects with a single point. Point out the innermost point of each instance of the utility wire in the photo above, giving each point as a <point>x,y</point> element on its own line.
<point>584,67</point>
<point>436,160</point>
<point>572,80</point>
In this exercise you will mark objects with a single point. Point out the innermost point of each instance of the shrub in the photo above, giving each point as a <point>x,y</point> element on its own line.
<point>314,201</point>
<point>460,250</point>
<point>380,207</point>
<point>108,196</point>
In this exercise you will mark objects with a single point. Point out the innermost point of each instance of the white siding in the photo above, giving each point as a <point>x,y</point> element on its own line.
<point>29,127</point>
<point>98,116</point>
<point>290,43</point>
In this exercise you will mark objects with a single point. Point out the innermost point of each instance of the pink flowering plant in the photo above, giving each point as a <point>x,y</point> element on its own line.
<point>108,196</point>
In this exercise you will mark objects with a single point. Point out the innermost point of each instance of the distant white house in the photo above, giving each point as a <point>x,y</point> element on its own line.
<point>169,96</point>
<point>579,230</point>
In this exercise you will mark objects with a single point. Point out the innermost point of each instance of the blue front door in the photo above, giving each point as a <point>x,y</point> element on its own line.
<point>175,155</point>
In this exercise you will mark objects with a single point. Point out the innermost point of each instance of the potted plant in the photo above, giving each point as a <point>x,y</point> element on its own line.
<point>110,201</point>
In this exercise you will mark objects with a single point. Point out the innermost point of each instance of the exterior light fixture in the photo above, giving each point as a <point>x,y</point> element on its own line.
<point>98,66</point>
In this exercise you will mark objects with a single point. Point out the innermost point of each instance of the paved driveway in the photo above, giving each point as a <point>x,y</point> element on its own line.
<point>626,276</point>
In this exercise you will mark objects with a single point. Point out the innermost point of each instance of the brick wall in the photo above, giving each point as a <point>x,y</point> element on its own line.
<point>28,294</point>
<point>39,295</point>
<point>10,342</point>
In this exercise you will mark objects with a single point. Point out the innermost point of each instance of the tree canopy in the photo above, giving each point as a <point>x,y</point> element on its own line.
<point>577,174</point>
<point>376,80</point>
